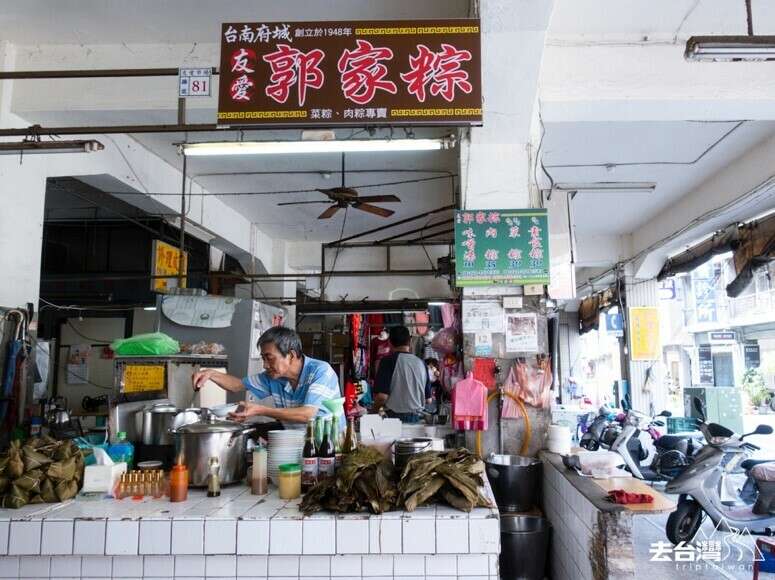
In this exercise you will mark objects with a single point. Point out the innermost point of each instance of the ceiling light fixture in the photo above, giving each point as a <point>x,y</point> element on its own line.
<point>730,48</point>
<point>34,146</point>
<point>609,186</point>
<point>749,48</point>
<point>296,147</point>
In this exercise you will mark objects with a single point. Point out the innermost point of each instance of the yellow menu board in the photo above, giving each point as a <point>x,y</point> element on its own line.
<point>143,378</point>
<point>165,262</point>
<point>644,333</point>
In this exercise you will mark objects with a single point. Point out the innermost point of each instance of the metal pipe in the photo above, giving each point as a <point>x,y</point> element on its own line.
<point>394,224</point>
<point>392,244</point>
<point>92,73</point>
<point>421,238</point>
<point>276,277</point>
<point>414,231</point>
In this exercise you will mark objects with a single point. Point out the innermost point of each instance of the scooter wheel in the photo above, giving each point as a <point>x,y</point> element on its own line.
<point>684,522</point>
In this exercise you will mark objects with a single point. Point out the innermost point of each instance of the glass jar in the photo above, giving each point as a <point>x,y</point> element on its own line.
<point>289,481</point>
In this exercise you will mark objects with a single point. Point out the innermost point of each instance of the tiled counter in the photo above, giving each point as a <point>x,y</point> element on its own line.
<point>239,535</point>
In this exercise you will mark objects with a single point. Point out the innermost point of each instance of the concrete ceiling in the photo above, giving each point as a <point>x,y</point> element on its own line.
<point>677,156</point>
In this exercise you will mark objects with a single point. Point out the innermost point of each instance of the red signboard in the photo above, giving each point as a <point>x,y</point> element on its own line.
<point>350,73</point>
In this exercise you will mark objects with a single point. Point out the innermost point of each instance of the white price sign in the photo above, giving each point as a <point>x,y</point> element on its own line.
<point>194,82</point>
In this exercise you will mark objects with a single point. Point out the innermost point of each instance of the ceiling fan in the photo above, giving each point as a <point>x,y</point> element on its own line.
<point>347,196</point>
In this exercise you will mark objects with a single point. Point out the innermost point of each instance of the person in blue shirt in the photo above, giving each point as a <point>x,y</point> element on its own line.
<point>297,383</point>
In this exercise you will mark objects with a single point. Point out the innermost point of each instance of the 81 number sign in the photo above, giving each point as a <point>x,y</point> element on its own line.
<point>194,82</point>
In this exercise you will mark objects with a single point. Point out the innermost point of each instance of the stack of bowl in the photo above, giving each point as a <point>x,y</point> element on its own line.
<point>284,446</point>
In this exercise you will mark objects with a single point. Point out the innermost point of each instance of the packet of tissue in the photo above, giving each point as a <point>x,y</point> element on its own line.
<point>103,476</point>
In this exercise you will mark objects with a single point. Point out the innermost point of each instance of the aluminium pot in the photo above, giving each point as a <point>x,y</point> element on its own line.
<point>406,448</point>
<point>196,443</point>
<point>515,481</point>
<point>157,422</point>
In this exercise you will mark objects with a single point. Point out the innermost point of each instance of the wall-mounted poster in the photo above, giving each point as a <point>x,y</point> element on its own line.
<point>644,333</point>
<point>522,332</point>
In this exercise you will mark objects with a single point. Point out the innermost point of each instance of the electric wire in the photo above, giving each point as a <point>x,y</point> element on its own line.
<point>336,256</point>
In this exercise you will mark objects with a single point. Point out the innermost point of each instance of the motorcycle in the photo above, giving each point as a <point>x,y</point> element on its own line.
<point>699,486</point>
<point>668,454</point>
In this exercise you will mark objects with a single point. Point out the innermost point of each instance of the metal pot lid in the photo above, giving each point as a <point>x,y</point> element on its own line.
<point>212,427</point>
<point>163,408</point>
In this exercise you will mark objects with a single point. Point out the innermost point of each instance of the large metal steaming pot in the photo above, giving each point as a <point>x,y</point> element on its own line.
<point>211,437</point>
<point>157,421</point>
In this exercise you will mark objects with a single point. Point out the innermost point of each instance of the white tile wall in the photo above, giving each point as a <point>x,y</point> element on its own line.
<point>452,536</point>
<point>385,536</point>
<point>34,567</point>
<point>315,566</point>
<point>473,565</point>
<point>122,537</point>
<point>66,567</point>
<point>188,536</point>
<point>159,566</point>
<point>253,566</point>
<point>253,537</point>
<point>220,537</point>
<point>128,567</point>
<point>57,537</point>
<point>283,566</point>
<point>285,537</point>
<point>9,567</point>
<point>441,565</point>
<point>155,536</point>
<point>319,536</point>
<point>485,536</point>
<point>4,525</point>
<point>342,566</point>
<point>409,566</point>
<point>352,536</point>
<point>378,566</point>
<point>419,536</point>
<point>189,566</point>
<point>24,538</point>
<point>96,567</point>
<point>89,537</point>
<point>221,566</point>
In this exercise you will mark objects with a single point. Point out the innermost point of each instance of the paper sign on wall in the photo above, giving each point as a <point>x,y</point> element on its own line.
<point>78,364</point>
<point>644,333</point>
<point>482,316</point>
<point>143,378</point>
<point>522,332</point>
<point>483,344</point>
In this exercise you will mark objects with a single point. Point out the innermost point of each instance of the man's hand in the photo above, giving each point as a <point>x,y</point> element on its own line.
<point>226,382</point>
<point>245,410</point>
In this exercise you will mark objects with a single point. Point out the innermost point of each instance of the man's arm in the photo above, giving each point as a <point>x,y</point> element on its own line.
<point>380,399</point>
<point>382,382</point>
<point>226,382</point>
<point>292,415</point>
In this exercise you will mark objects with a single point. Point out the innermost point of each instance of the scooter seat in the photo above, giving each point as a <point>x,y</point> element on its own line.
<point>749,463</point>
<point>674,441</point>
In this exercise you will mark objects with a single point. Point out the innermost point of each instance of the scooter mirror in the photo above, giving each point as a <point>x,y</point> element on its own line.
<point>665,414</point>
<point>700,408</point>
<point>762,430</point>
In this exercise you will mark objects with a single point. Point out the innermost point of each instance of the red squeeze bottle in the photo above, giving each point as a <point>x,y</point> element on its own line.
<point>179,483</point>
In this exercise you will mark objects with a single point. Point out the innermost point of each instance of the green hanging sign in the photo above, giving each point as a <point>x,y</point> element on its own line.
<point>501,247</point>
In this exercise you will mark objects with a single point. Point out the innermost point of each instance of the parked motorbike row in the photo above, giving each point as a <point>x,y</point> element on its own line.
<point>695,466</point>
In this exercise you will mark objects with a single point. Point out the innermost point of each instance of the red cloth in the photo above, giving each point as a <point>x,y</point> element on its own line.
<point>624,497</point>
<point>378,350</point>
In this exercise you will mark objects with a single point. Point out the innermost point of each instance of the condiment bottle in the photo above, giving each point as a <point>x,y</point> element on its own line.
<point>258,482</point>
<point>336,437</point>
<point>289,481</point>
<point>350,439</point>
<point>327,453</point>
<point>121,487</point>
<point>309,475</point>
<point>213,480</point>
<point>179,483</point>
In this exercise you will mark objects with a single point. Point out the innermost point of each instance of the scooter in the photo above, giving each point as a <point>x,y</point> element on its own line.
<point>699,485</point>
<point>665,459</point>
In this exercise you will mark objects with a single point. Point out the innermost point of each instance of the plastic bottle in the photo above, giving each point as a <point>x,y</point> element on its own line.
<point>179,483</point>
<point>258,483</point>
<point>122,450</point>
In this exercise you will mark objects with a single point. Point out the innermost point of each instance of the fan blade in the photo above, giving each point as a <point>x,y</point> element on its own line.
<point>379,199</point>
<point>373,209</point>
<point>329,212</point>
<point>303,202</point>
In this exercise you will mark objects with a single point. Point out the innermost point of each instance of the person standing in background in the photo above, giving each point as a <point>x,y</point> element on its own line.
<point>402,385</point>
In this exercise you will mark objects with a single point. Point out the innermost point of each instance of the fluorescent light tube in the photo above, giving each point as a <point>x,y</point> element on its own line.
<point>292,147</point>
<point>612,186</point>
<point>28,147</point>
<point>149,308</point>
<point>730,48</point>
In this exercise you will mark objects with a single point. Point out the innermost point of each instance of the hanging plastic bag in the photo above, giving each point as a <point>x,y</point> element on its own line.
<point>152,344</point>
<point>535,382</point>
<point>445,341</point>
<point>511,388</point>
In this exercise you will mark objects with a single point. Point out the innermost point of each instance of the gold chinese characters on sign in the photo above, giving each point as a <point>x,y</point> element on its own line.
<point>165,261</point>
